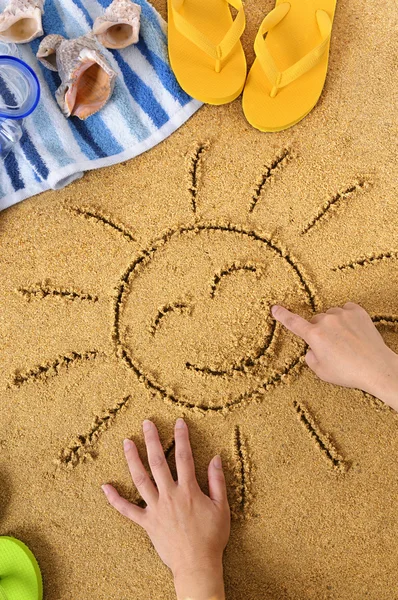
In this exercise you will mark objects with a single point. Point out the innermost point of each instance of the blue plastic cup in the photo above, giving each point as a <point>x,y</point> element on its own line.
<point>19,96</point>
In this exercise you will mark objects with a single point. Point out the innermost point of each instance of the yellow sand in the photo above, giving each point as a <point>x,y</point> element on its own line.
<point>96,335</point>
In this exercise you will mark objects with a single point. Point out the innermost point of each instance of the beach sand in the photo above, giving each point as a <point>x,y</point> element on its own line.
<point>143,291</point>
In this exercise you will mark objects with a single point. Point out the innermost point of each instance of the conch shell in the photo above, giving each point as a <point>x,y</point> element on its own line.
<point>119,26</point>
<point>87,79</point>
<point>20,22</point>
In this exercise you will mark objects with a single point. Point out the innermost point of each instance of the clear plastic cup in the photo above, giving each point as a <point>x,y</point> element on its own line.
<point>19,96</point>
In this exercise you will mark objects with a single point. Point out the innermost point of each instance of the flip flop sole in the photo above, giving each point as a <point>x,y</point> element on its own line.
<point>288,42</point>
<point>20,576</point>
<point>193,68</point>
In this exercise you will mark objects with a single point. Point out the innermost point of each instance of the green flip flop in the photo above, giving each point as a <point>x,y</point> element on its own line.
<point>20,577</point>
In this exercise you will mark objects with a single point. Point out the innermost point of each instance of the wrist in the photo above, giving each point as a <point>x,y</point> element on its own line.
<point>200,581</point>
<point>385,385</point>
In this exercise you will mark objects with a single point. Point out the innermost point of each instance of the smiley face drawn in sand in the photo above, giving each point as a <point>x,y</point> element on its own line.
<point>191,315</point>
<point>205,336</point>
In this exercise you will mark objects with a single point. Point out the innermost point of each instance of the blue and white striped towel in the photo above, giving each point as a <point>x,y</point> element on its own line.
<point>146,107</point>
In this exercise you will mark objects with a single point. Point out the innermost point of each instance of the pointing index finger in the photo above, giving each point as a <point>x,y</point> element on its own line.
<point>291,321</point>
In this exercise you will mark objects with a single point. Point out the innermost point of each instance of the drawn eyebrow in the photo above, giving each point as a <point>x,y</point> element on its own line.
<point>233,268</point>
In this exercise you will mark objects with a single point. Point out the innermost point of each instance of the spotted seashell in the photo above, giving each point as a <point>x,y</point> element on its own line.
<point>119,26</point>
<point>21,22</point>
<point>87,79</point>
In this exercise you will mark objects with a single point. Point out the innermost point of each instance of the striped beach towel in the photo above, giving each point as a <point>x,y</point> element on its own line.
<point>146,107</point>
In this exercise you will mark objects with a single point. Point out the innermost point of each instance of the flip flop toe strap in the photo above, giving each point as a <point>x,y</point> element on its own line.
<point>220,51</point>
<point>280,79</point>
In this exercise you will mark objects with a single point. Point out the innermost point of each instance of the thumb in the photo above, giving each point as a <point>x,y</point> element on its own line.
<point>217,485</point>
<point>311,360</point>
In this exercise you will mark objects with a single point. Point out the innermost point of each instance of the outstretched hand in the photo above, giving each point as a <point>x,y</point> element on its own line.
<point>188,529</point>
<point>346,349</point>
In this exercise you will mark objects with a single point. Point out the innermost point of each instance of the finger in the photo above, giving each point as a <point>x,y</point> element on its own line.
<point>336,310</point>
<point>123,506</point>
<point>317,318</point>
<point>311,360</point>
<point>351,306</point>
<point>184,458</point>
<point>138,473</point>
<point>291,321</point>
<point>156,458</point>
<point>217,485</point>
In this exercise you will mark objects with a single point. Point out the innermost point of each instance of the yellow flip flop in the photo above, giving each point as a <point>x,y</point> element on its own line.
<point>289,72</point>
<point>20,577</point>
<point>205,50</point>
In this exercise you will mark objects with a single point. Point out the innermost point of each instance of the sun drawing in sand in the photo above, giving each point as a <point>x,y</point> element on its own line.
<point>192,321</point>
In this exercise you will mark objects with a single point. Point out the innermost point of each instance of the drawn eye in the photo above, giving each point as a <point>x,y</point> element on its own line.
<point>164,311</point>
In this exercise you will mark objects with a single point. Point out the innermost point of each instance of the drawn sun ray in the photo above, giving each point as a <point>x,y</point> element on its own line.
<point>195,164</point>
<point>188,276</point>
<point>53,368</point>
<point>322,441</point>
<point>386,320</point>
<point>284,156</point>
<point>40,291</point>
<point>335,204</point>
<point>83,447</point>
<point>95,215</point>
<point>365,261</point>
<point>241,507</point>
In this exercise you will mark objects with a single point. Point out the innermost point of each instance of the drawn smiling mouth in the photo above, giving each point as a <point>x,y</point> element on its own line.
<point>242,365</point>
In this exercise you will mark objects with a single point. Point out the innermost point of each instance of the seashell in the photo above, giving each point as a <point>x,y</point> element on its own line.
<point>119,26</point>
<point>87,79</point>
<point>47,52</point>
<point>21,22</point>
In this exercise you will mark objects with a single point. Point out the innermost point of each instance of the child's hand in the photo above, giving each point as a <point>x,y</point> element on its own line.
<point>346,349</point>
<point>188,529</point>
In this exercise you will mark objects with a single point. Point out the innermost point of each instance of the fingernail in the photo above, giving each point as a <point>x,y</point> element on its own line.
<point>273,309</point>
<point>217,462</point>
<point>180,423</point>
<point>104,488</point>
<point>146,425</point>
<point>127,445</point>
